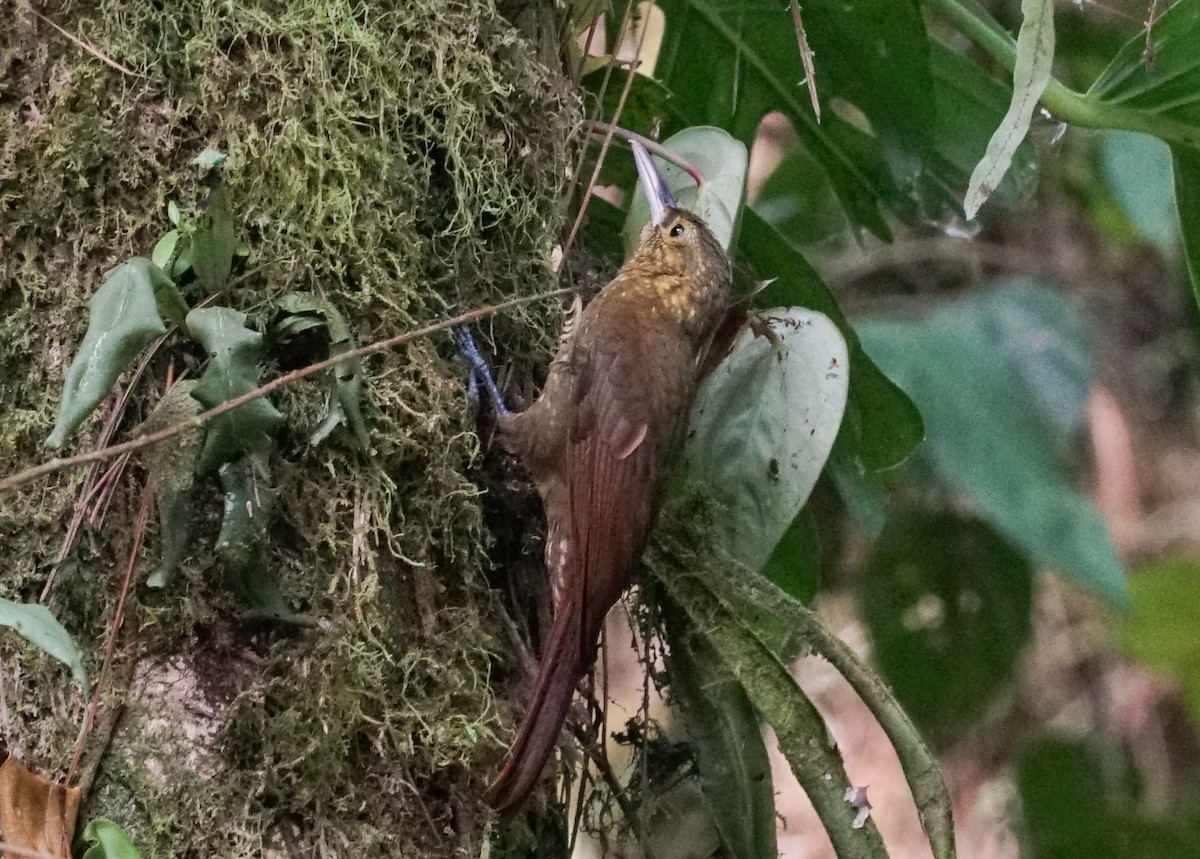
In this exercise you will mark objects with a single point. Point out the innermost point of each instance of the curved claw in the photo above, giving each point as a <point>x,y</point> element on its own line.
<point>481,373</point>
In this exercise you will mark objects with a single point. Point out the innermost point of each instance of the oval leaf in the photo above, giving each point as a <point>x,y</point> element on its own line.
<point>764,423</point>
<point>122,318</point>
<point>723,162</point>
<point>41,629</point>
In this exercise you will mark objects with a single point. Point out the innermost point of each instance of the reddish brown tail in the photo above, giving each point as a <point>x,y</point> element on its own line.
<point>559,673</point>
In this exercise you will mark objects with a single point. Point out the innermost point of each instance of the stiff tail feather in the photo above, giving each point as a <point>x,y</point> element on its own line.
<point>559,673</point>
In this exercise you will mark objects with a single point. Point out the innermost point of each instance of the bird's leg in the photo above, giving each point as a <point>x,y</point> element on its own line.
<point>481,373</point>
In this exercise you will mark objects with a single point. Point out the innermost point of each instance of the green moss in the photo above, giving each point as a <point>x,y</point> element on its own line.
<point>402,159</point>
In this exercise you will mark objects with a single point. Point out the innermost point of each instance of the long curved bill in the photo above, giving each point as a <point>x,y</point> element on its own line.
<point>654,186</point>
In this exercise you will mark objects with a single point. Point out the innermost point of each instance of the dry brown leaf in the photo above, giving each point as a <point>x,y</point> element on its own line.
<point>35,814</point>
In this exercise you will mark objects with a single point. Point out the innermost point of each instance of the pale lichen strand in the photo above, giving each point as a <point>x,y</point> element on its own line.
<point>400,158</point>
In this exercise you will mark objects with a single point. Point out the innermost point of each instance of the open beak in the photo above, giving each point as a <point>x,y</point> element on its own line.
<point>654,186</point>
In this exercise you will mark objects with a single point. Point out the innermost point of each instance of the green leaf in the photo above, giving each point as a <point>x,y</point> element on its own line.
<point>1138,169</point>
<point>303,312</point>
<point>723,731</point>
<point>795,564</point>
<point>1187,208</point>
<point>1168,86</point>
<point>763,424</point>
<point>1160,632</point>
<point>214,243</point>
<point>123,317</point>
<point>730,64</point>
<point>988,437</point>
<point>40,628</point>
<point>948,603</point>
<point>971,104</point>
<point>875,55</point>
<point>721,160</point>
<point>108,841</point>
<point>798,200</point>
<point>1031,74</point>
<point>171,465</point>
<point>234,352</point>
<point>1075,792</point>
<point>249,501</point>
<point>173,253</point>
<point>882,426</point>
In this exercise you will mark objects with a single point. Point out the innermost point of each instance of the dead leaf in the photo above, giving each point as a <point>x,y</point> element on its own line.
<point>35,814</point>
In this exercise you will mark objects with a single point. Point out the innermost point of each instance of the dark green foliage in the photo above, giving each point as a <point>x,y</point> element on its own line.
<point>948,603</point>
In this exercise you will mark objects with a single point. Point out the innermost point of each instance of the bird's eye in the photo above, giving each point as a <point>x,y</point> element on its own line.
<point>677,230</point>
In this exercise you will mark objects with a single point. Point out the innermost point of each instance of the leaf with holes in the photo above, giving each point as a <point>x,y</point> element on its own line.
<point>233,355</point>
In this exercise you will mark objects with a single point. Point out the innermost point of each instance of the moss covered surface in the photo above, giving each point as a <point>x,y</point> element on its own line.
<point>402,159</point>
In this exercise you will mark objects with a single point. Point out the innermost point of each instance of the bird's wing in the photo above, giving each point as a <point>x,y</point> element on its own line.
<point>616,451</point>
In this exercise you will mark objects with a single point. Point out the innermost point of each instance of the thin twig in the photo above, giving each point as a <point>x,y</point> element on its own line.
<point>87,46</point>
<point>616,118</point>
<point>597,127</point>
<point>110,645</point>
<point>138,442</point>
<point>94,481</point>
<point>806,57</point>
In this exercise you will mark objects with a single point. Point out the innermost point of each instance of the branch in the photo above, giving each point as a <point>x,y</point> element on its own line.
<point>137,442</point>
<point>595,126</point>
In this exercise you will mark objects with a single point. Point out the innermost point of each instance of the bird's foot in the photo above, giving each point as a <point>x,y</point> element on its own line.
<point>481,373</point>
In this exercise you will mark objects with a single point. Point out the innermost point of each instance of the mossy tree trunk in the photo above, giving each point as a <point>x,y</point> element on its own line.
<point>402,160</point>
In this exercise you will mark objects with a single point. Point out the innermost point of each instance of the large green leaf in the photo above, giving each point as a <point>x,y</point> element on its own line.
<point>234,352</point>
<point>1187,208</point>
<point>882,426</point>
<point>1170,85</point>
<point>875,55</point>
<point>988,436</point>
<point>718,199</point>
<point>729,64</point>
<point>763,424</point>
<point>948,604</point>
<point>1138,169</point>
<point>723,730</point>
<point>41,629</point>
<point>123,317</point>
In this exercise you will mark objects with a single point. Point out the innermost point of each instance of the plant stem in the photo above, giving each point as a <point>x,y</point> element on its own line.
<point>596,126</point>
<point>1062,101</point>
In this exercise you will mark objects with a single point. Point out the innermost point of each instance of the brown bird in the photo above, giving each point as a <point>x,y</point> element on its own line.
<point>599,441</point>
